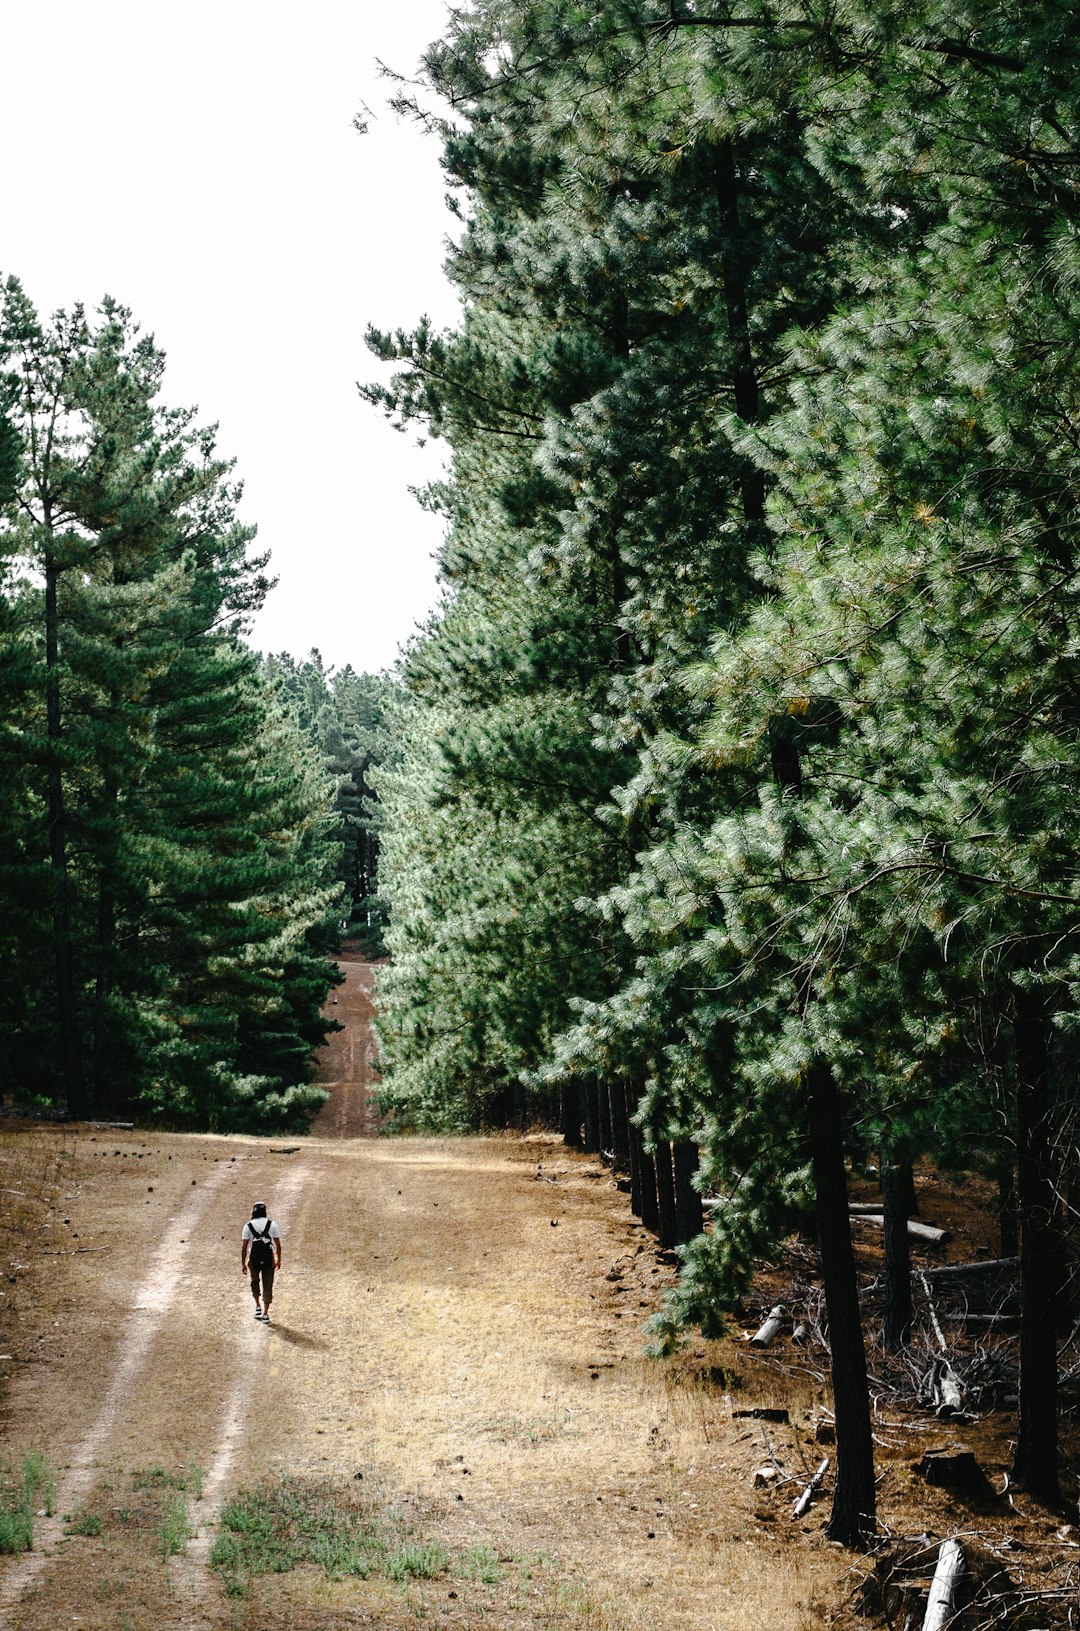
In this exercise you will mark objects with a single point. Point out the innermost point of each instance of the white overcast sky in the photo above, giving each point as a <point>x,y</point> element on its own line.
<point>197,161</point>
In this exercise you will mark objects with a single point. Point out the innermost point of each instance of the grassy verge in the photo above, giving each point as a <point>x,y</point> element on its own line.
<point>276,1527</point>
<point>23,1494</point>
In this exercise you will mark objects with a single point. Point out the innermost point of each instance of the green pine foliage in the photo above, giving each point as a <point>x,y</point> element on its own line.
<point>750,710</point>
<point>169,897</point>
<point>347,716</point>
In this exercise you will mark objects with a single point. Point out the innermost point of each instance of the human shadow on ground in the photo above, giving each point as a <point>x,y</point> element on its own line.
<point>299,1339</point>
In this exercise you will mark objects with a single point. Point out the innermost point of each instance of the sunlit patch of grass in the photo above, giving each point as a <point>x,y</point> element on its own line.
<point>276,1527</point>
<point>22,1495</point>
<point>481,1564</point>
<point>174,1527</point>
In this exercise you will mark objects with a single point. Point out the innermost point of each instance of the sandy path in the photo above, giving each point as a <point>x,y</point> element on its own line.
<point>445,1326</point>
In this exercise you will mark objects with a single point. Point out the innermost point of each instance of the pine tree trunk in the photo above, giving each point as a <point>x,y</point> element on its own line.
<point>66,1009</point>
<point>895,1189</point>
<point>633,1149</point>
<point>665,1196</point>
<point>569,1120</point>
<point>591,1106</point>
<point>106,943</point>
<point>1035,1459</point>
<point>1007,1221</point>
<point>853,1518</point>
<point>650,1206</point>
<point>735,277</point>
<point>689,1216</point>
<point>603,1117</point>
<point>620,1138</point>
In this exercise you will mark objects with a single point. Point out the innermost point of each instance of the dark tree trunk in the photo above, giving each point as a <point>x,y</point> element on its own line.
<point>1007,1220</point>
<point>633,1141</point>
<point>569,1118</point>
<point>620,1137</point>
<point>736,273</point>
<point>591,1107</point>
<point>650,1206</point>
<point>106,946</point>
<point>689,1217</point>
<point>895,1191</point>
<point>854,1508</point>
<point>1035,1460</point>
<point>909,1195</point>
<point>604,1118</point>
<point>665,1196</point>
<point>66,1009</point>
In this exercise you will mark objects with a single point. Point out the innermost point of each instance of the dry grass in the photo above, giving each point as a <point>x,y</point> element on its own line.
<point>447,1327</point>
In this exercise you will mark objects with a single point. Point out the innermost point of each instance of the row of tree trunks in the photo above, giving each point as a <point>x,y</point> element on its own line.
<point>600,1120</point>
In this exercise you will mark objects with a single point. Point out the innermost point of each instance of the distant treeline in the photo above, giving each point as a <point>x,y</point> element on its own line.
<point>348,718</point>
<point>739,770</point>
<point>170,873</point>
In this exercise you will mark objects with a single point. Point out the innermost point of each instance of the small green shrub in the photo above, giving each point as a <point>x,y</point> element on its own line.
<point>88,1524</point>
<point>413,1561</point>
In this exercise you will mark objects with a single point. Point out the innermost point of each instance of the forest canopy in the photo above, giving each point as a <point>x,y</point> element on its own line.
<point>738,772</point>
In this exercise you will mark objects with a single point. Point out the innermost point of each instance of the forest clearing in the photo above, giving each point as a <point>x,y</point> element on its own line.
<point>465,1335</point>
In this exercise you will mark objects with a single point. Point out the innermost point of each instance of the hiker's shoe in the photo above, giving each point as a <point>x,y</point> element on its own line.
<point>258,1312</point>
<point>266,1319</point>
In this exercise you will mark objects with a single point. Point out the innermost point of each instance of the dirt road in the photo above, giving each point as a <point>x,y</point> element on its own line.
<point>455,1334</point>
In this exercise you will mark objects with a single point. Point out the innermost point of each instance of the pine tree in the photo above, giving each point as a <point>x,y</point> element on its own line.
<point>123,662</point>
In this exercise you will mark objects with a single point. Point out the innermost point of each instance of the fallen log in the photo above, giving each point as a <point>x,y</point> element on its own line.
<point>985,1266</point>
<point>945,1388</point>
<point>918,1231</point>
<point>770,1328</point>
<point>802,1505</point>
<point>801,1334</point>
<point>939,1606</point>
<point>986,1322</point>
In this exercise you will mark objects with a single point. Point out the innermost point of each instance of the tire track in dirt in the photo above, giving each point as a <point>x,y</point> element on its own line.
<point>149,1310</point>
<point>190,1570</point>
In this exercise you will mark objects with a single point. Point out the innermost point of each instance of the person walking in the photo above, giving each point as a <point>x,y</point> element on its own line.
<point>260,1254</point>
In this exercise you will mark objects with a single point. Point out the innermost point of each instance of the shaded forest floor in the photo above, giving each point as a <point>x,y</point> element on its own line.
<point>451,1419</point>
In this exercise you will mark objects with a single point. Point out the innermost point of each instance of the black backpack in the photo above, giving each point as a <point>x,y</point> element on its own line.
<point>261,1252</point>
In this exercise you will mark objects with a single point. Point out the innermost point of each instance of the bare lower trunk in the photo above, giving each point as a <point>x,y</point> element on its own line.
<point>689,1218</point>
<point>895,1187</point>
<point>1035,1459</point>
<point>665,1195</point>
<point>66,1008</point>
<point>853,1518</point>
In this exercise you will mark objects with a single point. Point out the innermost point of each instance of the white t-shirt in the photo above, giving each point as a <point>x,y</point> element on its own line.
<point>261,1233</point>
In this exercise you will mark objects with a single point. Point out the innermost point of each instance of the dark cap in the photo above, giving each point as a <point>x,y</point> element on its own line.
<point>259,1209</point>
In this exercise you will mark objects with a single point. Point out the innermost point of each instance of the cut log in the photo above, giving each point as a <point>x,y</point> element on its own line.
<point>802,1505</point>
<point>762,1412</point>
<point>766,1332</point>
<point>950,1566</point>
<point>801,1334</point>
